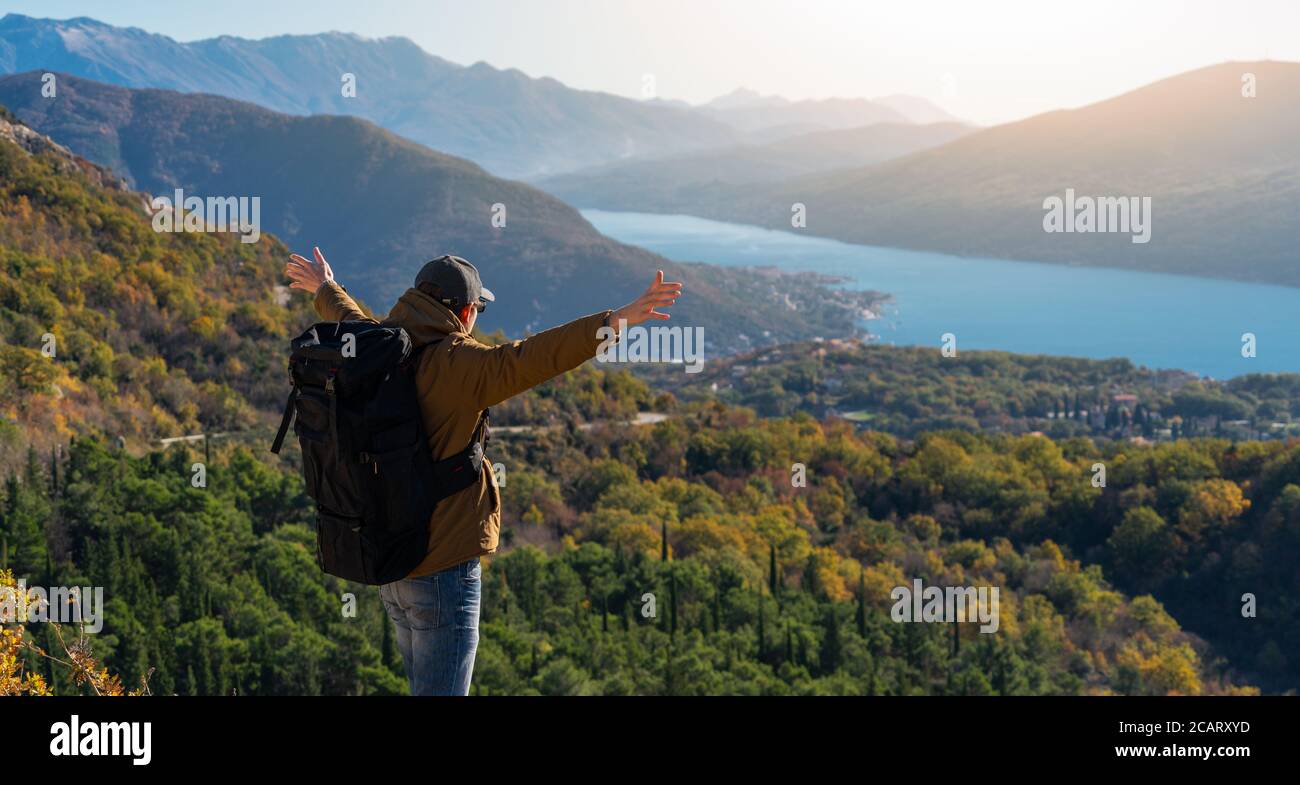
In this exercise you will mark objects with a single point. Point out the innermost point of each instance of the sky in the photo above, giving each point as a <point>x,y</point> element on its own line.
<point>986,62</point>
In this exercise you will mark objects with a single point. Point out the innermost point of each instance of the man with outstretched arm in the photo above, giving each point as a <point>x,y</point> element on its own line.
<point>436,607</point>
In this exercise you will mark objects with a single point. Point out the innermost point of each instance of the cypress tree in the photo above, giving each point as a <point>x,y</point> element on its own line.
<point>771,569</point>
<point>862,602</point>
<point>11,497</point>
<point>832,650</point>
<point>663,537</point>
<point>33,472</point>
<point>54,472</point>
<point>762,634</point>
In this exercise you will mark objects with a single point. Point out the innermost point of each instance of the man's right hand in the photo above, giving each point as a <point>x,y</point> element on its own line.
<point>307,274</point>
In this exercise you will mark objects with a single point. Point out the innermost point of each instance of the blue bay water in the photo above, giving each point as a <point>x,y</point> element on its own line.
<point>1156,320</point>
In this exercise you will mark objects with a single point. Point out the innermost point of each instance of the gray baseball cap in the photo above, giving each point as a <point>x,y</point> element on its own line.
<point>453,279</point>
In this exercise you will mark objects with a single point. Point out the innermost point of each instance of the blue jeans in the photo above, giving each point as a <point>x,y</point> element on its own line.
<point>437,627</point>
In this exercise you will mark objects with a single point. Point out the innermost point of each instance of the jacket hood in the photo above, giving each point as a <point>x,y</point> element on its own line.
<point>425,319</point>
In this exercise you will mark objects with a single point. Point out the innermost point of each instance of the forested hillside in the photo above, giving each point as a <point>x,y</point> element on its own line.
<point>1075,561</point>
<point>759,586</point>
<point>381,206</point>
<point>108,327</point>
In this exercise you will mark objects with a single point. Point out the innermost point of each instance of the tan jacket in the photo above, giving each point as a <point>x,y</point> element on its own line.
<point>456,380</point>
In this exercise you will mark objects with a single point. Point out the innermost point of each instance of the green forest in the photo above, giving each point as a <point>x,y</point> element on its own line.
<point>680,558</point>
<point>759,587</point>
<point>910,390</point>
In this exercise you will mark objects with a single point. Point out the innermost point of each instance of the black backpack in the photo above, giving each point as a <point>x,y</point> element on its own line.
<point>365,457</point>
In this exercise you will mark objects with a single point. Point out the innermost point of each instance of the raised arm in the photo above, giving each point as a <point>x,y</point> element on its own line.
<point>488,375</point>
<point>315,277</point>
<point>491,374</point>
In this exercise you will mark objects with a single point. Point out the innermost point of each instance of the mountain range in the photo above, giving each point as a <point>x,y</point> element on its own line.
<point>768,117</point>
<point>506,121</point>
<point>1220,165</point>
<point>380,206</point>
<point>511,124</point>
<point>664,184</point>
<point>1221,168</point>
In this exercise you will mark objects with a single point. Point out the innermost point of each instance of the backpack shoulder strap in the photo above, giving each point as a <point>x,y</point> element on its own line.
<point>285,421</point>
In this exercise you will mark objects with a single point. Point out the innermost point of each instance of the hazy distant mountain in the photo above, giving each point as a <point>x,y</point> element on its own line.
<point>825,114</point>
<point>768,117</point>
<point>381,205</point>
<point>676,103</point>
<point>917,109</point>
<point>1222,172</point>
<point>508,122</point>
<point>663,185</point>
<point>744,98</point>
